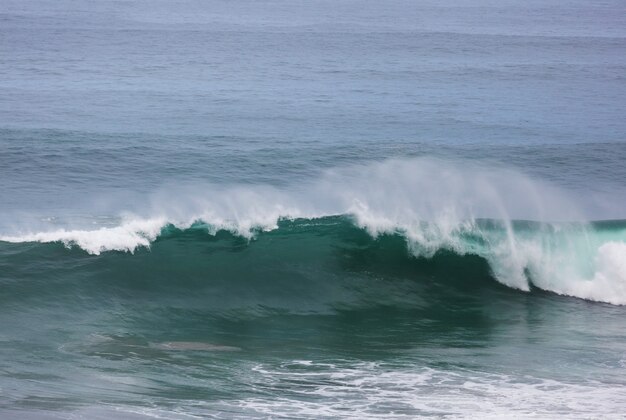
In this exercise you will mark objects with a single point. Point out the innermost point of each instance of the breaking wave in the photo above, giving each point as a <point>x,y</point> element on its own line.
<point>530,233</point>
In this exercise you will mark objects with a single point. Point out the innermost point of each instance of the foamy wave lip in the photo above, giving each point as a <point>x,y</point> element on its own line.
<point>246,223</point>
<point>127,237</point>
<point>609,280</point>
<point>139,233</point>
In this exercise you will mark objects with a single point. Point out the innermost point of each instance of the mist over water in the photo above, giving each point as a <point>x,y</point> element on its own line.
<point>324,209</point>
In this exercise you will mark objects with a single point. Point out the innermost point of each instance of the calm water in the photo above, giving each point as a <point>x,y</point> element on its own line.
<point>312,209</point>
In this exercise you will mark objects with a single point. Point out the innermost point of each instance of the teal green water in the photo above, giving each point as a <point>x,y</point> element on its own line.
<point>320,209</point>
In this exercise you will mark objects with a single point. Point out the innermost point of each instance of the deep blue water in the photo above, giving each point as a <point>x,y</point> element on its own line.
<point>312,209</point>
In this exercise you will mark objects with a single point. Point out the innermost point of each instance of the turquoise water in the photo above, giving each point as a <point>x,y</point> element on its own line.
<point>312,210</point>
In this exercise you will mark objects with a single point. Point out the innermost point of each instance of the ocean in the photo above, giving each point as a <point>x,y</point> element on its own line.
<point>312,209</point>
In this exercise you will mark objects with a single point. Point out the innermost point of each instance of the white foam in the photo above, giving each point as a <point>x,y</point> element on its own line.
<point>127,237</point>
<point>609,279</point>
<point>374,390</point>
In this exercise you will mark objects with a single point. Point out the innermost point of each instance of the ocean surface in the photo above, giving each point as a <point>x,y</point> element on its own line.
<point>312,209</point>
